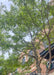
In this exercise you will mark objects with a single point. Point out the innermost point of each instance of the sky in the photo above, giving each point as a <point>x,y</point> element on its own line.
<point>7,3</point>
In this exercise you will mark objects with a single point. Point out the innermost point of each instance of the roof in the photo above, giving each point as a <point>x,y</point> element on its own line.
<point>47,51</point>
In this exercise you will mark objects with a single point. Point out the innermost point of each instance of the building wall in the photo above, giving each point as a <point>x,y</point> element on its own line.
<point>51,2</point>
<point>33,66</point>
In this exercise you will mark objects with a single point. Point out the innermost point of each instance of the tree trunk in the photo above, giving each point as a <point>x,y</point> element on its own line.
<point>49,53</point>
<point>37,61</point>
<point>38,65</point>
<point>47,70</point>
<point>38,68</point>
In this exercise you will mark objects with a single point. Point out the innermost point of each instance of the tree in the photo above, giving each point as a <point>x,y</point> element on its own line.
<point>45,12</point>
<point>27,19</point>
<point>9,65</point>
<point>25,27</point>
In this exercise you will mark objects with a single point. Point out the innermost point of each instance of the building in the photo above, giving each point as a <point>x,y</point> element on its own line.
<point>46,52</point>
<point>42,65</point>
<point>51,2</point>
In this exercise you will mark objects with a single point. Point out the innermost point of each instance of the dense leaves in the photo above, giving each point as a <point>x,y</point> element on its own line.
<point>19,29</point>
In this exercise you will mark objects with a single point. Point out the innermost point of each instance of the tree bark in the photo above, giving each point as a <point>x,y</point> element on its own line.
<point>49,52</point>
<point>48,69</point>
<point>37,61</point>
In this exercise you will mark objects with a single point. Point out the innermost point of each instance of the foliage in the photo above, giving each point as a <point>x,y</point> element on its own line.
<point>20,27</point>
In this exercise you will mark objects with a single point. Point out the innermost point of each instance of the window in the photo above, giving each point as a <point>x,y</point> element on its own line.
<point>30,58</point>
<point>11,74</point>
<point>16,70</point>
<point>23,60</point>
<point>45,44</point>
<point>31,52</point>
<point>52,65</point>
